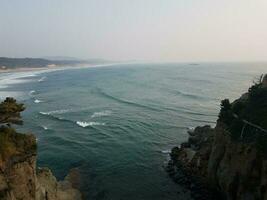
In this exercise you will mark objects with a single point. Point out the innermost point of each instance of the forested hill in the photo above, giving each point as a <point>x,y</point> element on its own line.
<point>12,63</point>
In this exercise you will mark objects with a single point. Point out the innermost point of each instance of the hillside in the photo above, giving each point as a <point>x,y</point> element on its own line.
<point>14,63</point>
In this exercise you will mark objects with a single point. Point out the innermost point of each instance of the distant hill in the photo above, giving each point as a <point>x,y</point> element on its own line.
<point>13,63</point>
<point>10,63</point>
<point>67,58</point>
<point>59,58</point>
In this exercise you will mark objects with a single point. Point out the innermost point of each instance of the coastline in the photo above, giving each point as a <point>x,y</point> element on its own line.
<point>36,69</point>
<point>57,68</point>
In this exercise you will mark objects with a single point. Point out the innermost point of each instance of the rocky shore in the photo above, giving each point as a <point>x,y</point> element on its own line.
<point>230,160</point>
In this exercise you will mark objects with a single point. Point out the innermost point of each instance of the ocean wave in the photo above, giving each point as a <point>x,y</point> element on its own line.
<point>7,79</point>
<point>42,79</point>
<point>86,124</point>
<point>49,115</point>
<point>124,101</point>
<point>101,114</point>
<point>191,128</point>
<point>55,112</point>
<point>166,151</point>
<point>45,127</point>
<point>79,123</point>
<point>37,101</point>
<point>32,92</point>
<point>192,96</point>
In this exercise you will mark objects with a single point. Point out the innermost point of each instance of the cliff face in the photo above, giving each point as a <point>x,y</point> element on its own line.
<point>230,158</point>
<point>19,178</point>
<point>238,169</point>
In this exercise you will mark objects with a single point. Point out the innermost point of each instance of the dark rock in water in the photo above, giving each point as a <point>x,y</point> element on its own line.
<point>74,177</point>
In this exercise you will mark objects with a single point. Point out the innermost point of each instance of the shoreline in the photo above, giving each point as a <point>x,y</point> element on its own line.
<point>36,69</point>
<point>58,67</point>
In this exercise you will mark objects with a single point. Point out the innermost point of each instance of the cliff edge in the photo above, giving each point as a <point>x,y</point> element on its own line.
<point>19,177</point>
<point>230,160</point>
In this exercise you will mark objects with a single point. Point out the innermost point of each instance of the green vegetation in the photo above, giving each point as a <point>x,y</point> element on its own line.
<point>11,142</point>
<point>10,111</point>
<point>246,118</point>
<point>13,63</point>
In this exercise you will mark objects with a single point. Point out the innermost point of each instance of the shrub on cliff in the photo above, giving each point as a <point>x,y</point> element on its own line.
<point>226,114</point>
<point>10,111</point>
<point>11,142</point>
<point>246,118</point>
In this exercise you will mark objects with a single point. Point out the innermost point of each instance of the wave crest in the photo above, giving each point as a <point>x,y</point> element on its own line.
<point>101,114</point>
<point>86,124</point>
<point>42,79</point>
<point>124,101</point>
<point>37,101</point>
<point>32,92</point>
<point>55,112</point>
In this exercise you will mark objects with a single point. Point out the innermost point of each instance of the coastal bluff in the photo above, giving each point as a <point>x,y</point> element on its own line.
<point>228,161</point>
<point>19,176</point>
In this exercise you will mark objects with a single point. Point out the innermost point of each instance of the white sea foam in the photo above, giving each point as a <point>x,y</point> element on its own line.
<point>42,79</point>
<point>101,114</point>
<point>14,94</point>
<point>55,112</point>
<point>37,101</point>
<point>45,127</point>
<point>166,151</point>
<point>44,113</point>
<point>190,129</point>
<point>86,124</point>
<point>7,79</point>
<point>32,92</point>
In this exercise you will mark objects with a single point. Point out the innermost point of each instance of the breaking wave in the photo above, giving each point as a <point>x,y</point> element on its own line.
<point>32,92</point>
<point>45,127</point>
<point>37,101</point>
<point>166,151</point>
<point>55,112</point>
<point>86,124</point>
<point>79,123</point>
<point>42,79</point>
<point>101,114</point>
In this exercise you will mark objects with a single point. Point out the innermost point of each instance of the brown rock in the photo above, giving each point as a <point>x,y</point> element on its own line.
<point>19,178</point>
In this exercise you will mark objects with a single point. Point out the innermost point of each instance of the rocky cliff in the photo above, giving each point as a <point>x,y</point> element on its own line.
<point>230,160</point>
<point>19,177</point>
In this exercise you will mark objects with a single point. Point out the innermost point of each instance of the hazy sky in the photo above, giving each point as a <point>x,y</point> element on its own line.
<point>153,30</point>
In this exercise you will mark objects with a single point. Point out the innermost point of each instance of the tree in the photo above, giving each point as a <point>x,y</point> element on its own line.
<point>10,111</point>
<point>226,114</point>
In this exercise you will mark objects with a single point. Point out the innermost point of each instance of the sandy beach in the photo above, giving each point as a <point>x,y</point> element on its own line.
<point>29,69</point>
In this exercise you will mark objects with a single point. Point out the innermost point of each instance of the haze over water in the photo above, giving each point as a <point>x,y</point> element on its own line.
<point>118,123</point>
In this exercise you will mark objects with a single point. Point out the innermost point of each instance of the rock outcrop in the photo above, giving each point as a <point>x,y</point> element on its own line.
<point>19,178</point>
<point>230,160</point>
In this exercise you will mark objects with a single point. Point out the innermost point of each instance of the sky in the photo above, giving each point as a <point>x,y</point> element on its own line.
<point>144,30</point>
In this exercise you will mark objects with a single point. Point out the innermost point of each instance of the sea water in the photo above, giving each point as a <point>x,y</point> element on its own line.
<point>117,123</point>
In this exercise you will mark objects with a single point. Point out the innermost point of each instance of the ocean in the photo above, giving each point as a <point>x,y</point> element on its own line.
<point>118,123</point>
